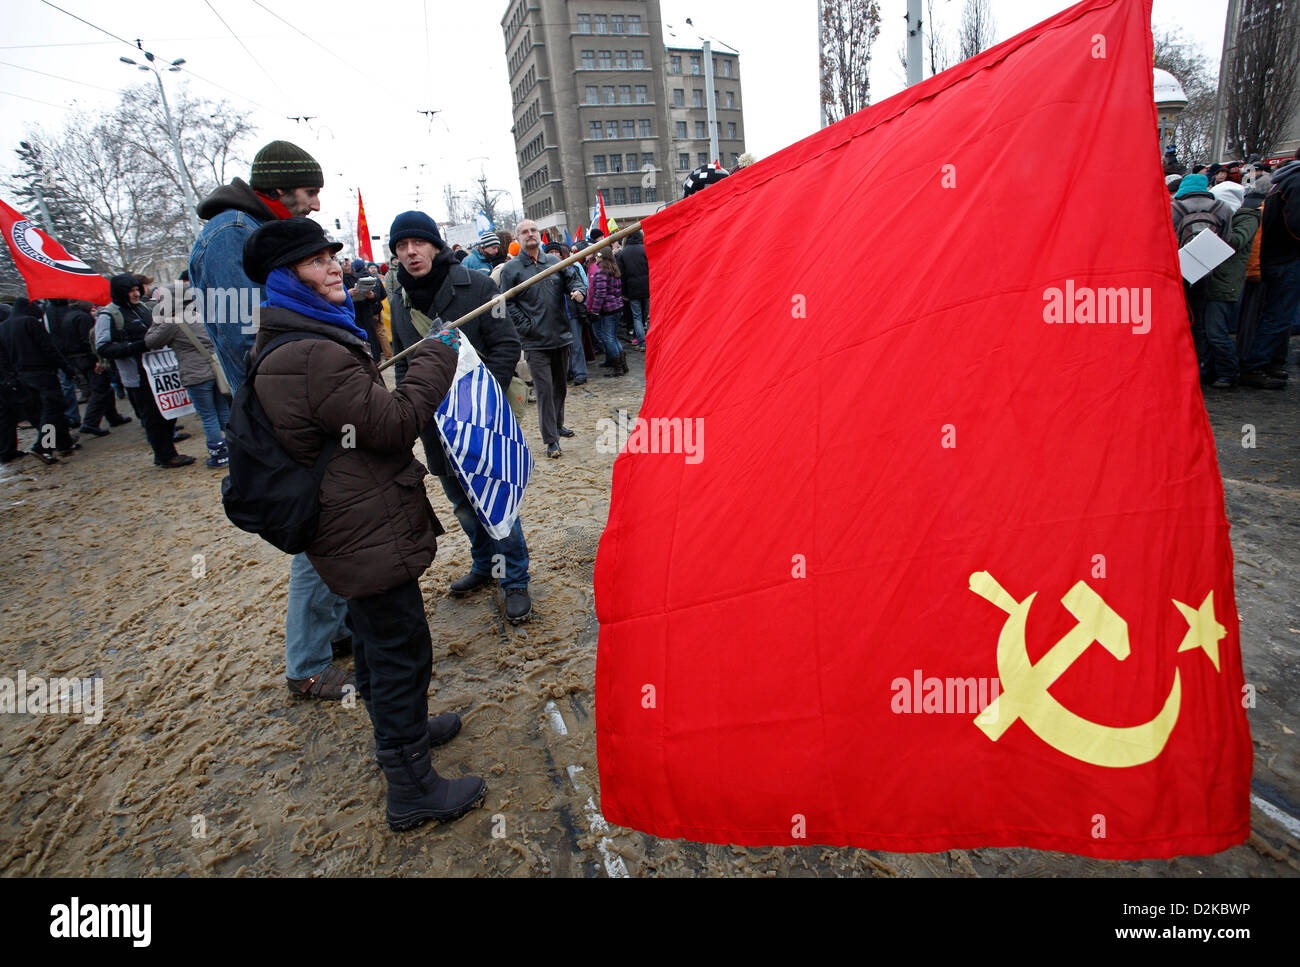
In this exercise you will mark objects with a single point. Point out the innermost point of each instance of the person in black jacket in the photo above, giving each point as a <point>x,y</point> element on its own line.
<point>432,284</point>
<point>635,273</point>
<point>120,328</point>
<point>32,355</point>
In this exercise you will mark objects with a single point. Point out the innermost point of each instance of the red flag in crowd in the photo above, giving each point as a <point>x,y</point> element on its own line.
<point>579,235</point>
<point>363,231</point>
<point>49,271</point>
<point>545,239</point>
<point>602,221</point>
<point>942,562</point>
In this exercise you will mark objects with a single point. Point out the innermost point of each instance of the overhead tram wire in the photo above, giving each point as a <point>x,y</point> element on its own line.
<point>35,100</point>
<point>107,33</point>
<point>57,77</point>
<point>293,27</point>
<point>247,51</point>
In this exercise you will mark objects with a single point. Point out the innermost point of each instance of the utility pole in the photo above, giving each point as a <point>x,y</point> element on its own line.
<point>1225,63</point>
<point>915,58</point>
<point>191,202</point>
<point>711,102</point>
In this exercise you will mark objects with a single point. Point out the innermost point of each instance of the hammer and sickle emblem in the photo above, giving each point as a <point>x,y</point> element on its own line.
<point>1025,684</point>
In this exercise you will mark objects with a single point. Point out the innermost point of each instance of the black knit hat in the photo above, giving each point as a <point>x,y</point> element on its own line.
<point>284,165</point>
<point>283,242</point>
<point>414,225</point>
<point>702,177</point>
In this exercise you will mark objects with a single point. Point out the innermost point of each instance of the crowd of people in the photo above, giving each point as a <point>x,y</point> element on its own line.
<point>1243,312</point>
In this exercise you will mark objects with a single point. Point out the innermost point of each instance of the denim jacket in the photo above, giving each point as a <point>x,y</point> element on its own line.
<point>228,298</point>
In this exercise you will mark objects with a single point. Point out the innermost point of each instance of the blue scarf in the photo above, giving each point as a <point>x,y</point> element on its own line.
<point>286,291</point>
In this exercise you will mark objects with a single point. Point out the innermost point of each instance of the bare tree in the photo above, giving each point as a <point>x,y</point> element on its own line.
<point>977,29</point>
<point>1263,76</point>
<point>116,175</point>
<point>849,29</point>
<point>1184,59</point>
<point>936,44</point>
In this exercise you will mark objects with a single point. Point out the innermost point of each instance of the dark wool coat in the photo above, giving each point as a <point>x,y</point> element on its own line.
<point>377,529</point>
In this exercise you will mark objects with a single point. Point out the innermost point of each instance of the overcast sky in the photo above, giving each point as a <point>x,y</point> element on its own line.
<point>365,70</point>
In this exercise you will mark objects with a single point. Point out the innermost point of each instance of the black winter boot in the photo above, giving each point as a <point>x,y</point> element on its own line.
<point>416,793</point>
<point>622,361</point>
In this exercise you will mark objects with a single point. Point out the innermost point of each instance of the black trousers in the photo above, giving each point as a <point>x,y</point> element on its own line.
<point>11,411</point>
<point>158,430</point>
<point>103,403</point>
<point>45,385</point>
<point>392,657</point>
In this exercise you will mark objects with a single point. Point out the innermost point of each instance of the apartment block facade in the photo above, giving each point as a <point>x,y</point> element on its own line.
<point>599,104</point>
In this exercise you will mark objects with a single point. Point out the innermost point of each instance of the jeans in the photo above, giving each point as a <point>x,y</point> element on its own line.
<point>640,318</point>
<point>213,410</point>
<point>73,413</point>
<point>1222,347</point>
<point>607,333</point>
<point>392,660</point>
<point>512,567</point>
<point>314,617</point>
<point>577,355</point>
<point>1281,298</point>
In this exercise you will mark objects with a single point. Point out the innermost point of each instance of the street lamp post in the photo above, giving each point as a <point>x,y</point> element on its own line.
<point>191,202</point>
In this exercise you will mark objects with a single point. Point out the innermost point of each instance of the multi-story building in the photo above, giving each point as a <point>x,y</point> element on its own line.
<point>595,100</point>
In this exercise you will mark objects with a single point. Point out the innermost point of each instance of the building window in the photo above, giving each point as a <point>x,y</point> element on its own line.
<point>602,24</point>
<point>697,98</point>
<point>650,194</point>
<point>594,130</point>
<point>641,94</point>
<point>602,57</point>
<point>679,97</point>
<point>618,196</point>
<point>683,161</point>
<point>591,95</point>
<point>584,23</point>
<point>695,63</point>
<point>731,130</point>
<point>702,158</point>
<point>726,68</point>
<point>731,99</point>
<point>701,130</point>
<point>638,59</point>
<point>616,23</point>
<point>616,163</point>
<point>598,164</point>
<point>620,60</point>
<point>643,128</point>
<point>588,60</point>
<point>631,162</point>
<point>648,161</point>
<point>625,94</point>
<point>633,25</point>
<point>735,158</point>
<point>634,195</point>
<point>681,130</point>
<point>611,130</point>
<point>629,129</point>
<point>675,64</point>
<point>607,94</point>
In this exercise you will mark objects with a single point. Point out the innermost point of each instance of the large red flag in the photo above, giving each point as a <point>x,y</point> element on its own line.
<point>49,271</point>
<point>932,554</point>
<point>363,231</point>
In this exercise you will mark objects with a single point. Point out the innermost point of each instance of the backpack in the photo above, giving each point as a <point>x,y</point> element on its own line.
<point>1195,222</point>
<point>268,493</point>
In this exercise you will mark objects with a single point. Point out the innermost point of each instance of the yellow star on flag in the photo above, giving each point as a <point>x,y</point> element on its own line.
<point>1203,630</point>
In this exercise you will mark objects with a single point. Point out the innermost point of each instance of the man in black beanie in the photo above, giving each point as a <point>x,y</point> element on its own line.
<point>432,284</point>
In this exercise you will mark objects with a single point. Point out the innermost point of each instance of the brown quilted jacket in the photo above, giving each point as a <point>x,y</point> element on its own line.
<point>377,529</point>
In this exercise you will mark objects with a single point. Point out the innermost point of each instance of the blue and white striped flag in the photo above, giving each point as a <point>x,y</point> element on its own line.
<point>484,443</point>
<point>482,222</point>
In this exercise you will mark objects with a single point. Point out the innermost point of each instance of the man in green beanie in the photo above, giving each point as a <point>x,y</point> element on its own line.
<point>285,182</point>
